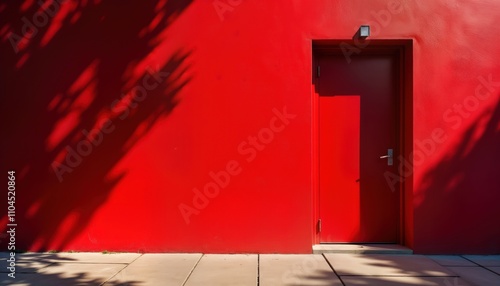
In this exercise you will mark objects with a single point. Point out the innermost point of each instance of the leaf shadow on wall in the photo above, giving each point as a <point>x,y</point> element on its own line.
<point>69,78</point>
<point>460,194</point>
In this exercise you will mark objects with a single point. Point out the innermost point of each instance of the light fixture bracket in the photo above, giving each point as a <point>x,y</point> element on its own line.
<point>364,31</point>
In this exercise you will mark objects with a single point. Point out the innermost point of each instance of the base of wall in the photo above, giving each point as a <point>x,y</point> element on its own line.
<point>361,249</point>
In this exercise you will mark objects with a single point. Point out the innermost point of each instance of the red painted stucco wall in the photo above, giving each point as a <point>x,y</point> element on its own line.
<point>117,115</point>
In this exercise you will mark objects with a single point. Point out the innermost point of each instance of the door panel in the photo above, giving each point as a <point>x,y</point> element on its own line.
<point>357,125</point>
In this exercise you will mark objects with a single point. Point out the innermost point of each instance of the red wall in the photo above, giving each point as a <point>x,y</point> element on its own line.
<point>216,96</point>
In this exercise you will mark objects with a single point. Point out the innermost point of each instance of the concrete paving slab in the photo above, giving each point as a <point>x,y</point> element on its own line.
<point>81,257</point>
<point>34,279</point>
<point>451,260</point>
<point>407,281</point>
<point>40,256</point>
<point>362,248</point>
<point>96,257</point>
<point>157,269</point>
<point>495,269</point>
<point>222,270</point>
<point>485,260</point>
<point>135,269</point>
<point>288,269</point>
<point>477,275</point>
<point>386,265</point>
<point>66,274</point>
<point>24,266</point>
<point>4,255</point>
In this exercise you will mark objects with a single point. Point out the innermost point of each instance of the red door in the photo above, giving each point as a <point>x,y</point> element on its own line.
<point>358,124</point>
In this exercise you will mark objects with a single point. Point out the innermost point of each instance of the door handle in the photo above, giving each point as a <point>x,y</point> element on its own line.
<point>389,156</point>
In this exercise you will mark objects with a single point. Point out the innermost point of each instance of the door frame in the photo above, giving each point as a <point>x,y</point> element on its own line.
<point>404,47</point>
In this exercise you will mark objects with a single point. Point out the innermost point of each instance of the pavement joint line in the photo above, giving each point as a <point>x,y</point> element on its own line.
<point>461,266</point>
<point>126,265</point>
<point>87,262</point>
<point>428,276</point>
<point>484,267</point>
<point>258,269</point>
<point>47,266</point>
<point>192,269</point>
<point>333,269</point>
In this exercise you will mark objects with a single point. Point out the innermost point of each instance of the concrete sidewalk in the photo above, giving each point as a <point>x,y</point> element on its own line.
<point>135,269</point>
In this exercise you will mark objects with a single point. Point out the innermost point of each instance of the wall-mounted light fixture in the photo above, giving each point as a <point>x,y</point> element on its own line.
<point>364,31</point>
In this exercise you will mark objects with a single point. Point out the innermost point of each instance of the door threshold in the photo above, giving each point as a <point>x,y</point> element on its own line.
<point>361,248</point>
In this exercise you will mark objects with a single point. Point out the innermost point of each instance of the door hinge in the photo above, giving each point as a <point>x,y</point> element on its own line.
<point>318,71</point>
<point>319,225</point>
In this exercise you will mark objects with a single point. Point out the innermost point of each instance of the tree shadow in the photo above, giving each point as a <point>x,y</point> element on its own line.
<point>374,270</point>
<point>411,272</point>
<point>460,193</point>
<point>89,70</point>
<point>52,269</point>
